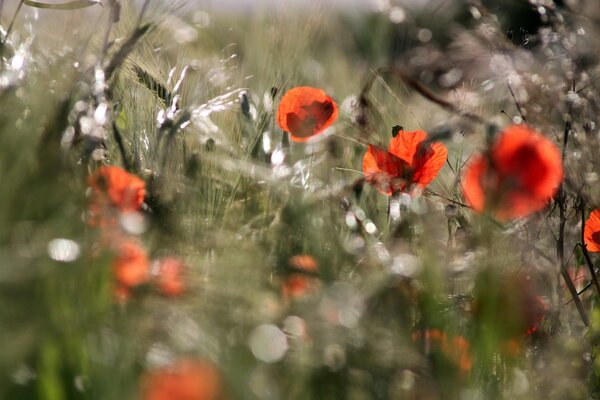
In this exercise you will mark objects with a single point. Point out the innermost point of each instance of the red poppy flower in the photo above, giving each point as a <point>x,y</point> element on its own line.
<point>303,262</point>
<point>454,348</point>
<point>131,264</point>
<point>169,277</point>
<point>591,232</point>
<point>183,380</point>
<point>517,177</point>
<point>301,280</point>
<point>118,188</point>
<point>305,111</point>
<point>411,160</point>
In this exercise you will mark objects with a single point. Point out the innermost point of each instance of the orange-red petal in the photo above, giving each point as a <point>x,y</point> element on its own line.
<point>170,277</point>
<point>306,111</point>
<point>531,158</point>
<point>384,170</point>
<point>118,187</point>
<point>183,380</point>
<point>131,264</point>
<point>303,262</point>
<point>473,187</point>
<point>410,160</point>
<point>297,285</point>
<point>591,232</point>
<point>428,162</point>
<point>406,144</point>
<point>518,176</point>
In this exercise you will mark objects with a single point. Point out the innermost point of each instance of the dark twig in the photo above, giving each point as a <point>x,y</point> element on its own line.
<point>582,291</point>
<point>111,21</point>
<point>12,21</point>
<point>420,88</point>
<point>590,265</point>
<point>561,202</point>
<point>586,253</point>
<point>512,93</point>
<point>121,145</point>
<point>142,12</point>
<point>458,203</point>
<point>125,49</point>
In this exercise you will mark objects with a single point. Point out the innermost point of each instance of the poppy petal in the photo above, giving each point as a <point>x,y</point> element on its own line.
<point>184,379</point>
<point>121,189</point>
<point>591,232</point>
<point>472,187</point>
<point>305,111</point>
<point>170,280</point>
<point>428,164</point>
<point>531,158</point>
<point>518,176</point>
<point>406,144</point>
<point>303,262</point>
<point>384,170</point>
<point>131,264</point>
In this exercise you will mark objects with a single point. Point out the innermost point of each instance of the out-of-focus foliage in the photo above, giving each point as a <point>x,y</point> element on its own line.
<point>272,266</point>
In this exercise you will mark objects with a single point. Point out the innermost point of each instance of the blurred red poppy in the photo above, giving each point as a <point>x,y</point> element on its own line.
<point>305,112</point>
<point>183,380</point>
<point>301,278</point>
<point>118,188</point>
<point>169,280</point>
<point>131,265</point>
<point>455,348</point>
<point>591,232</point>
<point>411,160</point>
<point>303,262</point>
<point>517,177</point>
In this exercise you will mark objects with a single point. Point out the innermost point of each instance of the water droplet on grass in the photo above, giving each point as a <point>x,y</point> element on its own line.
<point>268,343</point>
<point>63,250</point>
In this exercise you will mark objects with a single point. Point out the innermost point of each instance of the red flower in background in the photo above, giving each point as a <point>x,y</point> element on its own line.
<point>305,111</point>
<point>131,266</point>
<point>519,175</point>
<point>302,277</point>
<point>183,380</point>
<point>455,348</point>
<point>169,280</point>
<point>411,160</point>
<point>118,188</point>
<point>591,232</point>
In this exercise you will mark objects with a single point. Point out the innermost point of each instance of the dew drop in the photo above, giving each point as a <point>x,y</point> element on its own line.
<point>397,15</point>
<point>424,35</point>
<point>268,343</point>
<point>63,250</point>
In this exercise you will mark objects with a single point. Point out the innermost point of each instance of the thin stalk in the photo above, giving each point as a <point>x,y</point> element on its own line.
<point>586,253</point>
<point>119,139</point>
<point>142,12</point>
<point>512,93</point>
<point>560,243</point>
<point>590,265</point>
<point>12,22</point>
<point>419,88</point>
<point>107,35</point>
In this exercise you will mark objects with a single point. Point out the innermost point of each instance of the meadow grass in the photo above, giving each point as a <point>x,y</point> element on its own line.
<point>413,297</point>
